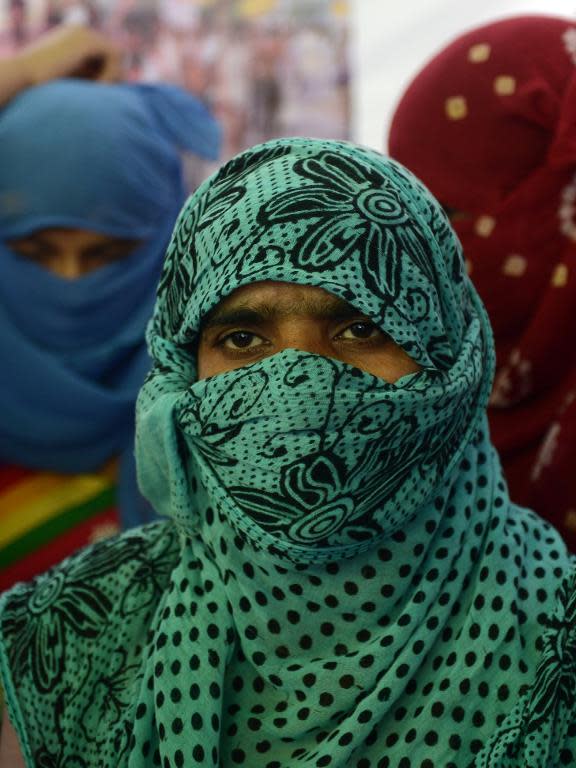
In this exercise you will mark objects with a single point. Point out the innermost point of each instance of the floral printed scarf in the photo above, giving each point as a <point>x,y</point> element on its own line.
<point>342,580</point>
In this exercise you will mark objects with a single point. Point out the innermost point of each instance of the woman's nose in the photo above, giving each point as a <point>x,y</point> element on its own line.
<point>68,265</point>
<point>306,337</point>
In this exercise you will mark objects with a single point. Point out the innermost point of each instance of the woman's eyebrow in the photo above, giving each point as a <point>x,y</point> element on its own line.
<point>259,313</point>
<point>33,239</point>
<point>234,316</point>
<point>121,246</point>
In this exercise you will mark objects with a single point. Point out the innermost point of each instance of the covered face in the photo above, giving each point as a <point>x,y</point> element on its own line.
<point>305,451</point>
<point>489,126</point>
<point>102,161</point>
<point>71,253</point>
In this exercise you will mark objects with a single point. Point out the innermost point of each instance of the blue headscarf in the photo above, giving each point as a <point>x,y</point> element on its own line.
<point>104,158</point>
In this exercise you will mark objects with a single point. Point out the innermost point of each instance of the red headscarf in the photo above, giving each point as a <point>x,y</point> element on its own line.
<point>490,126</point>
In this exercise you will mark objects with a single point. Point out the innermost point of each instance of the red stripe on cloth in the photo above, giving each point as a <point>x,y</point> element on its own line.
<point>10,475</point>
<point>57,549</point>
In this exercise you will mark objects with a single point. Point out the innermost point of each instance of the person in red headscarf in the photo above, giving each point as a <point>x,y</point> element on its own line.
<point>490,126</point>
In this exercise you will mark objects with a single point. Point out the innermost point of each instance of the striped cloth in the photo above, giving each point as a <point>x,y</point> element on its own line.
<point>44,517</point>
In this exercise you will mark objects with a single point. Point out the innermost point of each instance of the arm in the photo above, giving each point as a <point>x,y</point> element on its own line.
<point>10,753</point>
<point>65,52</point>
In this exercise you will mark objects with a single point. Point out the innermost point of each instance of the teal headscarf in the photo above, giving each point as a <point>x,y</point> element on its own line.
<point>343,580</point>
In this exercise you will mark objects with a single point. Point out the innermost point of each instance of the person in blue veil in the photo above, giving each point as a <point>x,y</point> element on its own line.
<point>90,186</point>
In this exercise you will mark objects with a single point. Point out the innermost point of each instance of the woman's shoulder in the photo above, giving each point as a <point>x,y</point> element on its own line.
<point>102,565</point>
<point>86,587</point>
<point>541,729</point>
<point>52,629</point>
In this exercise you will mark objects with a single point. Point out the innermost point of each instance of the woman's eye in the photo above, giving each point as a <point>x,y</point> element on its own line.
<point>362,330</point>
<point>104,257</point>
<point>25,249</point>
<point>110,253</point>
<point>241,340</point>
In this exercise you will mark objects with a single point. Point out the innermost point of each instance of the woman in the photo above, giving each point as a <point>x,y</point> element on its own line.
<point>90,187</point>
<point>342,579</point>
<point>489,126</point>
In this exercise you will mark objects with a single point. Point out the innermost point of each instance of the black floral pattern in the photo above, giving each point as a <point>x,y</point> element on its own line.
<point>179,273</point>
<point>310,505</point>
<point>349,211</point>
<point>555,685</point>
<point>57,603</point>
<point>150,574</point>
<point>110,697</point>
<point>542,725</point>
<point>235,171</point>
<point>46,759</point>
<point>338,476</point>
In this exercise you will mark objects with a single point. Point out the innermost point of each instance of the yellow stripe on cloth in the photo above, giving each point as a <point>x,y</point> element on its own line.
<point>42,496</point>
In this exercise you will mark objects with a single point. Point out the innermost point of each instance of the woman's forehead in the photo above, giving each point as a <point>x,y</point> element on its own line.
<point>67,236</point>
<point>280,299</point>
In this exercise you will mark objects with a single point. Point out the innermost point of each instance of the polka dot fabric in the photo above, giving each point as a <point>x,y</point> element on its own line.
<point>426,622</point>
<point>504,164</point>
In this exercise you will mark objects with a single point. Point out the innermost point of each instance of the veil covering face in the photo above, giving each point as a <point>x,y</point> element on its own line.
<point>489,126</point>
<point>342,579</point>
<point>106,159</point>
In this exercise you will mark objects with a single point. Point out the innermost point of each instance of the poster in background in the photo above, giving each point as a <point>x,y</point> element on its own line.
<point>267,67</point>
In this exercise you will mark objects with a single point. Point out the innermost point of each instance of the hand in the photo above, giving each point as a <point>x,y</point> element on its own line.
<point>73,51</point>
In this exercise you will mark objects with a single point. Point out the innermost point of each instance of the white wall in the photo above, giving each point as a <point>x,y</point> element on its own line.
<point>393,38</point>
